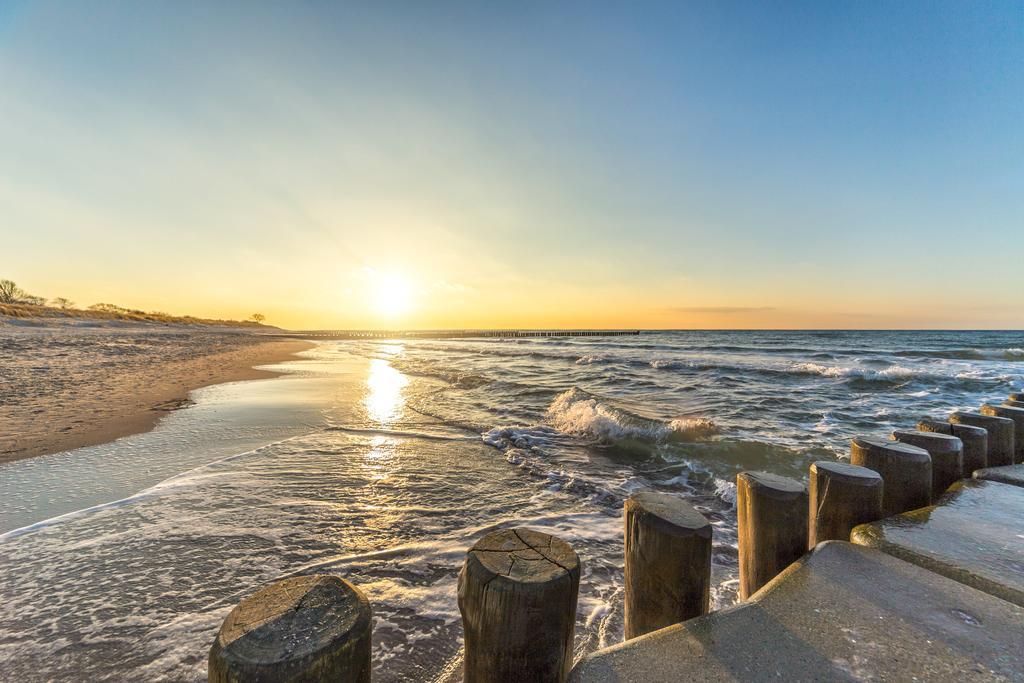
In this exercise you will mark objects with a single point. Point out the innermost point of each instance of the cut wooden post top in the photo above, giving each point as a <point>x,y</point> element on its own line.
<point>1017,396</point>
<point>1009,412</point>
<point>933,442</point>
<point>968,434</point>
<point>847,473</point>
<point>883,447</point>
<point>978,419</point>
<point>669,513</point>
<point>927,424</point>
<point>525,556</point>
<point>294,619</point>
<point>771,485</point>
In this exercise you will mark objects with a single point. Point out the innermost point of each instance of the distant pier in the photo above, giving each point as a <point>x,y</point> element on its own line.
<point>452,334</point>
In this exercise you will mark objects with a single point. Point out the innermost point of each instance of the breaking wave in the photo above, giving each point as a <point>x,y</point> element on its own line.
<point>893,373</point>
<point>577,412</point>
<point>664,364</point>
<point>1009,354</point>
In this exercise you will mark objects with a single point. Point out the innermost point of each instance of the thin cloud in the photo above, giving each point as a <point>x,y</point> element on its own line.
<point>720,310</point>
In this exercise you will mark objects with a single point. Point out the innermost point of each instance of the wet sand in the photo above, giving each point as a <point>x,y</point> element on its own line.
<point>66,386</point>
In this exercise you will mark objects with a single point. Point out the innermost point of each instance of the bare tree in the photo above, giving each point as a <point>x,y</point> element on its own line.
<point>61,302</point>
<point>10,293</point>
<point>258,318</point>
<point>108,308</point>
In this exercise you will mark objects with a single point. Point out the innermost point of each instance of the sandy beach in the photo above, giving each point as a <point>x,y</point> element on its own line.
<point>67,386</point>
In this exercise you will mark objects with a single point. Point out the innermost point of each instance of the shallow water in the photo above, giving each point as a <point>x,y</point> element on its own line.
<point>385,461</point>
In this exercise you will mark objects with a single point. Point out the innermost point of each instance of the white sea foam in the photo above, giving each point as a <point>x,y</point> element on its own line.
<point>665,364</point>
<point>185,479</point>
<point>726,490</point>
<point>521,437</point>
<point>826,423</point>
<point>693,427</point>
<point>894,372</point>
<point>576,412</point>
<point>581,414</point>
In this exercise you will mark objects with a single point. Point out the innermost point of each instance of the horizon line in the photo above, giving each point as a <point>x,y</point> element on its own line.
<point>651,329</point>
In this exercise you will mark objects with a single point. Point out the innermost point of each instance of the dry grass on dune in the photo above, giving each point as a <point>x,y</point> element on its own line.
<point>29,311</point>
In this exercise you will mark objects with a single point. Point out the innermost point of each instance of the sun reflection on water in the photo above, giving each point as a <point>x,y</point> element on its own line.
<point>380,460</point>
<point>385,401</point>
<point>385,405</point>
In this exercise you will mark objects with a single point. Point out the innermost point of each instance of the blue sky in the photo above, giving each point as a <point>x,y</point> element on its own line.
<point>634,164</point>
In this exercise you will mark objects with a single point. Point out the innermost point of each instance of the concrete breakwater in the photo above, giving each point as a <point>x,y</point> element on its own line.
<point>931,587</point>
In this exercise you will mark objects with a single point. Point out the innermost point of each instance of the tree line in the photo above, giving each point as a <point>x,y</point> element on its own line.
<point>11,293</point>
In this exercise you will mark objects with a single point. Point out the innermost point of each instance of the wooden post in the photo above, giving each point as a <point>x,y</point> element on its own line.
<point>1013,404</point>
<point>841,497</point>
<point>905,469</point>
<point>771,514</point>
<point>946,451</point>
<point>668,562</point>
<point>1000,435</point>
<point>517,594</point>
<point>1017,396</point>
<point>305,628</point>
<point>1010,413</point>
<point>974,440</point>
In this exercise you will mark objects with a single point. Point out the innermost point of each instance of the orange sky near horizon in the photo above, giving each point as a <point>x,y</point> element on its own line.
<point>677,165</point>
<point>370,299</point>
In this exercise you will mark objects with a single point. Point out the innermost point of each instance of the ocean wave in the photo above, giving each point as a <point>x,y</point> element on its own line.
<point>665,364</point>
<point>1009,354</point>
<point>725,490</point>
<point>400,433</point>
<point>590,359</point>
<point>893,373</point>
<point>577,412</point>
<point>693,427</point>
<point>524,438</point>
<point>495,348</point>
<point>676,364</point>
<point>461,380</point>
<point>184,479</point>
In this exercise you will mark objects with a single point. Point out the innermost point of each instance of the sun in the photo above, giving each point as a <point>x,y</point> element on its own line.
<point>392,295</point>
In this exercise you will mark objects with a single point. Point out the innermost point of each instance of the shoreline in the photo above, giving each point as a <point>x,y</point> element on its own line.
<point>131,397</point>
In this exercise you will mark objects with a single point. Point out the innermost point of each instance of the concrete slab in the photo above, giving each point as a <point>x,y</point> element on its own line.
<point>841,613</point>
<point>1007,474</point>
<point>974,535</point>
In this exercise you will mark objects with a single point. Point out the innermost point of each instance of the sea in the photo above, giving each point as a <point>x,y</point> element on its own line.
<point>384,461</point>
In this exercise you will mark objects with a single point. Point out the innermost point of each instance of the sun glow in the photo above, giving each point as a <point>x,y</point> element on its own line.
<point>392,295</point>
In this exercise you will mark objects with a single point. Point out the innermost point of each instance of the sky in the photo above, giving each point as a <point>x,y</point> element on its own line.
<point>530,164</point>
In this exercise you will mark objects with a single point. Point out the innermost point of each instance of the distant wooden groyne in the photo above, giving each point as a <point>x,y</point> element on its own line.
<point>452,334</point>
<point>905,563</point>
